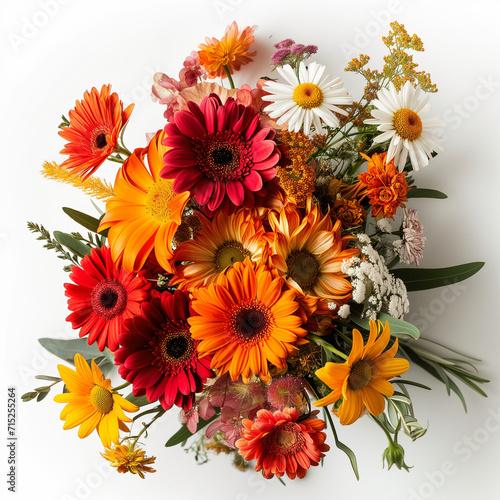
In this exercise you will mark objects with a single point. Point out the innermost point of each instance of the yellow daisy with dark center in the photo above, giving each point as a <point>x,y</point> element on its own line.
<point>362,381</point>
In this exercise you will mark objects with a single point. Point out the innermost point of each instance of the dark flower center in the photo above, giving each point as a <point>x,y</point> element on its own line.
<point>176,347</point>
<point>250,322</point>
<point>173,348</point>
<point>360,375</point>
<point>108,298</point>
<point>223,156</point>
<point>285,439</point>
<point>302,268</point>
<point>228,253</point>
<point>100,141</point>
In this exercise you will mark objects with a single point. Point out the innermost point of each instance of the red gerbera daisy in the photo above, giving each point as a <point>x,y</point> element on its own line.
<point>95,124</point>
<point>220,152</point>
<point>159,356</point>
<point>102,297</point>
<point>279,443</point>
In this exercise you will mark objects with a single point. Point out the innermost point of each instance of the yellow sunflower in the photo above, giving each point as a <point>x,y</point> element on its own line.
<point>91,403</point>
<point>219,244</point>
<point>362,380</point>
<point>309,251</point>
<point>246,321</point>
<point>145,213</point>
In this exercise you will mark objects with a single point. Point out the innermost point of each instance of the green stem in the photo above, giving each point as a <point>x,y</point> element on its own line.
<point>319,341</point>
<point>126,384</point>
<point>229,77</point>
<point>123,150</point>
<point>389,437</point>
<point>145,428</point>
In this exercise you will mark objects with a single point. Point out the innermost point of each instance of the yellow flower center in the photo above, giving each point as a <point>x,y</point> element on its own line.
<point>159,196</point>
<point>308,95</point>
<point>228,253</point>
<point>302,268</point>
<point>407,124</point>
<point>101,399</point>
<point>360,375</point>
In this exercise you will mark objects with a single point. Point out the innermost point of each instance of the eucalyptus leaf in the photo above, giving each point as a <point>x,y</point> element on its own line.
<point>184,433</point>
<point>425,193</point>
<point>49,378</point>
<point>77,247</point>
<point>41,396</point>
<point>416,279</point>
<point>66,349</point>
<point>399,327</point>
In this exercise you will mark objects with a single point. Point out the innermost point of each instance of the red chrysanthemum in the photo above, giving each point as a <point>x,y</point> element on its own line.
<point>102,297</point>
<point>279,443</point>
<point>95,124</point>
<point>220,152</point>
<point>159,356</point>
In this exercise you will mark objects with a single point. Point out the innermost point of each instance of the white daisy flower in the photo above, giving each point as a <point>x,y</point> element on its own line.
<point>307,99</point>
<point>401,118</point>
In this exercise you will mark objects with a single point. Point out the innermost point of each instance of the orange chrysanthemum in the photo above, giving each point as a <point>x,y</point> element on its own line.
<point>127,458</point>
<point>230,52</point>
<point>91,403</point>
<point>246,321</point>
<point>219,244</point>
<point>349,212</point>
<point>309,252</point>
<point>362,380</point>
<point>145,212</point>
<point>279,443</point>
<point>386,187</point>
<point>95,124</point>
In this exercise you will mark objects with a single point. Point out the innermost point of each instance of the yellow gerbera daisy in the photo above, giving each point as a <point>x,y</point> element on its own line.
<point>219,244</point>
<point>309,251</point>
<point>92,404</point>
<point>362,380</point>
<point>145,213</point>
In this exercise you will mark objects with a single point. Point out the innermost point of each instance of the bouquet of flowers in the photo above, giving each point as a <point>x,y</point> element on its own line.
<point>246,269</point>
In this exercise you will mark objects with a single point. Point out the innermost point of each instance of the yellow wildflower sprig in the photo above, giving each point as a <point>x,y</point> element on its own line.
<point>93,186</point>
<point>399,66</point>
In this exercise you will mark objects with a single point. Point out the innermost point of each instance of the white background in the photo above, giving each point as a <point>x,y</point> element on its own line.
<point>54,50</point>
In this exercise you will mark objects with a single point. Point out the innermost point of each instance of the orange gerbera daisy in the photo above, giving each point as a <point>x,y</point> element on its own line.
<point>246,321</point>
<point>309,252</point>
<point>362,380</point>
<point>230,52</point>
<point>279,443</point>
<point>92,404</point>
<point>220,243</point>
<point>386,187</point>
<point>95,124</point>
<point>145,212</point>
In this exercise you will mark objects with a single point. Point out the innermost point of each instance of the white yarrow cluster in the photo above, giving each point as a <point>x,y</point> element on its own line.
<point>373,285</point>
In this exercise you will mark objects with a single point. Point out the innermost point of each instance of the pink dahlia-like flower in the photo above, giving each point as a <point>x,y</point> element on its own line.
<point>159,356</point>
<point>413,238</point>
<point>219,152</point>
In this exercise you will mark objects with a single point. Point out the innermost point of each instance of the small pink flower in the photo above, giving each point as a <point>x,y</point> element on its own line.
<point>190,418</point>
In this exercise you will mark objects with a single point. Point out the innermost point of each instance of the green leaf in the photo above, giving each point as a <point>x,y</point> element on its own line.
<point>47,377</point>
<point>77,247</point>
<point>138,401</point>
<point>41,396</point>
<point>87,221</point>
<point>184,433</point>
<point>425,193</point>
<point>425,279</point>
<point>399,327</point>
<point>66,349</point>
